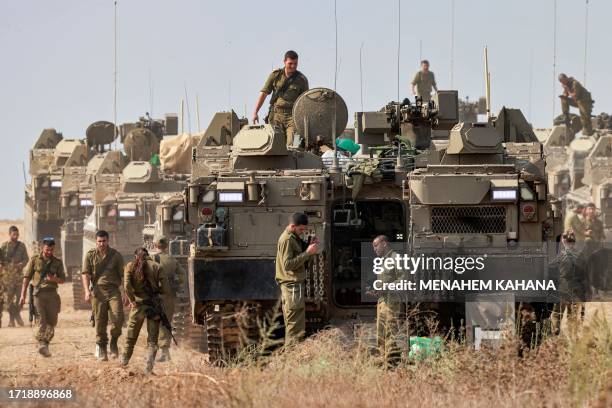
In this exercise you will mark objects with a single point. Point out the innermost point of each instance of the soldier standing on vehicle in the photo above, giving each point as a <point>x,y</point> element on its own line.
<point>143,280</point>
<point>573,284</point>
<point>14,258</point>
<point>286,85</point>
<point>44,272</point>
<point>574,94</point>
<point>423,82</point>
<point>175,274</point>
<point>102,278</point>
<point>389,307</point>
<point>291,259</point>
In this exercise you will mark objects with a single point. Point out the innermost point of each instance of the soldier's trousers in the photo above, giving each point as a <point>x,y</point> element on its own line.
<point>585,108</point>
<point>48,305</point>
<point>135,321</point>
<point>294,311</point>
<point>387,329</point>
<point>164,335</point>
<point>283,120</point>
<point>11,301</point>
<point>107,304</point>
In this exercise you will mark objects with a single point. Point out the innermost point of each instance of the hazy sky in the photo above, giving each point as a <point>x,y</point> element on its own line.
<point>57,65</point>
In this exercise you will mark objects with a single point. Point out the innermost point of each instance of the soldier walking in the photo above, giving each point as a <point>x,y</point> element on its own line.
<point>14,258</point>
<point>143,280</point>
<point>102,277</point>
<point>574,222</point>
<point>44,272</point>
<point>423,82</point>
<point>388,308</point>
<point>175,274</point>
<point>574,94</point>
<point>286,85</point>
<point>291,259</point>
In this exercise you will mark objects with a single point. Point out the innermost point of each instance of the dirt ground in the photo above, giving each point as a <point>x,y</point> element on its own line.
<point>322,371</point>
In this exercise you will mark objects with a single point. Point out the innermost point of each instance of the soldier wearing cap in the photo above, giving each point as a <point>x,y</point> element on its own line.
<point>291,259</point>
<point>176,277</point>
<point>44,272</point>
<point>286,85</point>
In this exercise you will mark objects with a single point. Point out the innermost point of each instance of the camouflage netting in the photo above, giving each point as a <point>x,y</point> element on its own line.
<point>175,154</point>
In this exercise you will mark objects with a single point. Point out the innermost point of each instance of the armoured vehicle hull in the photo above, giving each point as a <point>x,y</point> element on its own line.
<point>240,200</point>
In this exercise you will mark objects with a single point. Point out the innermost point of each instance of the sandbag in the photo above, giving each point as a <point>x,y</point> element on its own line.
<point>175,154</point>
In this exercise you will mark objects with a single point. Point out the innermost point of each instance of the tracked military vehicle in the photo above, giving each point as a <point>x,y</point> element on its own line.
<point>240,197</point>
<point>42,216</point>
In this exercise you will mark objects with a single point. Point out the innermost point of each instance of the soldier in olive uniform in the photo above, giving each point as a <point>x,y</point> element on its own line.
<point>143,279</point>
<point>291,274</point>
<point>423,82</point>
<point>102,278</point>
<point>286,85</point>
<point>389,308</point>
<point>573,283</point>
<point>14,258</point>
<point>594,233</point>
<point>175,274</point>
<point>44,271</point>
<point>575,222</point>
<point>574,94</point>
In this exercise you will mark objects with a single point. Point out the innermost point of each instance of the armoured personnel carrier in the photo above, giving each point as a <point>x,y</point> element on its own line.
<point>240,197</point>
<point>42,216</point>
<point>77,201</point>
<point>123,209</point>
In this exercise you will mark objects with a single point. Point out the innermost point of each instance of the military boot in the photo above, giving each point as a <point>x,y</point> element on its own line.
<point>11,322</point>
<point>125,359</point>
<point>114,350</point>
<point>165,355</point>
<point>151,352</point>
<point>101,352</point>
<point>43,349</point>
<point>18,319</point>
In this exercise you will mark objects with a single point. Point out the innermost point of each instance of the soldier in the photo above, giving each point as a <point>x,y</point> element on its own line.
<point>291,274</point>
<point>286,85</point>
<point>15,257</point>
<point>423,82</point>
<point>175,274</point>
<point>388,309</point>
<point>574,94</point>
<point>573,283</point>
<point>102,278</point>
<point>143,280</point>
<point>593,229</point>
<point>45,272</point>
<point>574,222</point>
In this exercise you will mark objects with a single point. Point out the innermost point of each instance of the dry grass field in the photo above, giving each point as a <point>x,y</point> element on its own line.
<point>328,369</point>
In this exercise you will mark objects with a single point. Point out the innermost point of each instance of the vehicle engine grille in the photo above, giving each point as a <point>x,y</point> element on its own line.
<point>468,220</point>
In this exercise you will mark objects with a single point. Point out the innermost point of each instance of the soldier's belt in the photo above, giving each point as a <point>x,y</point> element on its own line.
<point>283,108</point>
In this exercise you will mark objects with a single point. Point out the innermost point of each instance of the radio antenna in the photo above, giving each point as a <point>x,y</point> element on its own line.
<point>452,47</point>
<point>399,43</point>
<point>586,33</point>
<point>188,112</point>
<point>334,167</point>
<point>361,74</point>
<point>115,77</point>
<point>554,87</point>
<point>487,78</point>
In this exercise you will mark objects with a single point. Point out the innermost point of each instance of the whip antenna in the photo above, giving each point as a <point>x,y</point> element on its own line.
<point>554,87</point>
<point>586,33</point>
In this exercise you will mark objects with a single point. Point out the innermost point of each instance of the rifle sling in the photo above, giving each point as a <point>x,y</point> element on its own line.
<point>281,91</point>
